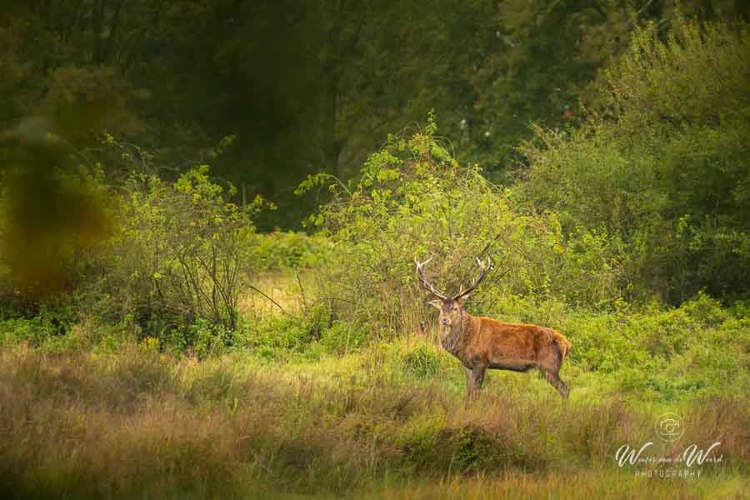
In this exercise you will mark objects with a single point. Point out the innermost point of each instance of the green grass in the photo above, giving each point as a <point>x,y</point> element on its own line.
<point>288,411</point>
<point>602,484</point>
<point>382,422</point>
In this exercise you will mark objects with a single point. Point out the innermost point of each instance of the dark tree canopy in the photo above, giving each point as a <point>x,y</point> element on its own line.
<point>305,86</point>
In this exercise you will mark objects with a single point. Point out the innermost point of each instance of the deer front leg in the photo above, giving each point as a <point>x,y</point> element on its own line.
<point>478,373</point>
<point>469,383</point>
<point>474,379</point>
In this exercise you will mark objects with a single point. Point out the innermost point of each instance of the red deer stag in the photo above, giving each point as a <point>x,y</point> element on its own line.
<point>481,343</point>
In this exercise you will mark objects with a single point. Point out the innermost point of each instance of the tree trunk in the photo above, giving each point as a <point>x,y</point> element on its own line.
<point>97,22</point>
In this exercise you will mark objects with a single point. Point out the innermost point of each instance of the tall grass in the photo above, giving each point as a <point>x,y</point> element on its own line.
<point>141,423</point>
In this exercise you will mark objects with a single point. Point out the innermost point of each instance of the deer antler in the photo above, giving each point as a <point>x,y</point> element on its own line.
<point>425,283</point>
<point>483,267</point>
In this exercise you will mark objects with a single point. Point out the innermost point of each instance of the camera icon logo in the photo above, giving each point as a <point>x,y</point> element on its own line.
<point>669,427</point>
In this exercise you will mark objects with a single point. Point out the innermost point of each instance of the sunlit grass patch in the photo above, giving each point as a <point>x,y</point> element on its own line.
<point>144,423</point>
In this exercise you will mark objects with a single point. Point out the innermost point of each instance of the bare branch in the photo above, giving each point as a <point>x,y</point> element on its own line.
<point>251,287</point>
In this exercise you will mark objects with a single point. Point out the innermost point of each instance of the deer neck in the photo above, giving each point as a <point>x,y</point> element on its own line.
<point>454,337</point>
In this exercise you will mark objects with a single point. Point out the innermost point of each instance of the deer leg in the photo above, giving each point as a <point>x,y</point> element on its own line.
<point>549,365</point>
<point>556,382</point>
<point>469,383</point>
<point>477,374</point>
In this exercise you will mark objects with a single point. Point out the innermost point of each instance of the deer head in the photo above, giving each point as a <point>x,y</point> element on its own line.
<point>450,307</point>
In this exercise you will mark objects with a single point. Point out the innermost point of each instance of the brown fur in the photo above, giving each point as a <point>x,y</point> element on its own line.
<point>481,343</point>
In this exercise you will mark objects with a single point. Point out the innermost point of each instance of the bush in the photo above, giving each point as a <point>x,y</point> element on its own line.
<point>178,260</point>
<point>201,338</point>
<point>413,200</point>
<point>422,361</point>
<point>342,337</point>
<point>277,338</point>
<point>285,250</point>
<point>49,324</point>
<point>661,169</point>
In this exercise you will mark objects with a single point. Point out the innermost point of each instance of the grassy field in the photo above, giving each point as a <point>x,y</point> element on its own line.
<point>386,421</point>
<point>102,411</point>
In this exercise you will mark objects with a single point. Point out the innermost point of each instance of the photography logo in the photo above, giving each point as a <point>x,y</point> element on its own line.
<point>669,427</point>
<point>650,460</point>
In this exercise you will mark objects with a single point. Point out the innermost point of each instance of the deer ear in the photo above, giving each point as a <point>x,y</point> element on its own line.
<point>463,299</point>
<point>438,304</point>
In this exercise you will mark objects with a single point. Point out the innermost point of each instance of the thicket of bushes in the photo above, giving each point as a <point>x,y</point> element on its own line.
<point>414,201</point>
<point>646,201</point>
<point>172,267</point>
<point>662,167</point>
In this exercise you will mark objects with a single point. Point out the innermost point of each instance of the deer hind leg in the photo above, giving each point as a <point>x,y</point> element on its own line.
<point>550,368</point>
<point>554,379</point>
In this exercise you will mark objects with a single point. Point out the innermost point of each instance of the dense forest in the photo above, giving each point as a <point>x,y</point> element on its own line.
<point>210,213</point>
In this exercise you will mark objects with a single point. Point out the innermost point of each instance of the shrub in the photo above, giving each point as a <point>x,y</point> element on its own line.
<point>48,324</point>
<point>285,250</point>
<point>178,260</point>
<point>274,337</point>
<point>421,362</point>
<point>414,200</point>
<point>661,168</point>
<point>201,338</point>
<point>342,337</point>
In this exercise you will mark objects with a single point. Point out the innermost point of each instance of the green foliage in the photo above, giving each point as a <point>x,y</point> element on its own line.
<point>413,200</point>
<point>647,197</point>
<point>278,338</point>
<point>178,259</point>
<point>281,338</point>
<point>286,250</point>
<point>345,74</point>
<point>343,338</point>
<point>35,331</point>
<point>696,349</point>
<point>202,338</point>
<point>422,361</point>
<point>51,325</point>
<point>662,167</point>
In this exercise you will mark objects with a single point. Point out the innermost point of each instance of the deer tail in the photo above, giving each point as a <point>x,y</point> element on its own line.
<point>564,345</point>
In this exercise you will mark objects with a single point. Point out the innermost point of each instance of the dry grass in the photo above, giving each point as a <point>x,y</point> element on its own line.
<point>600,484</point>
<point>139,423</point>
<point>288,291</point>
